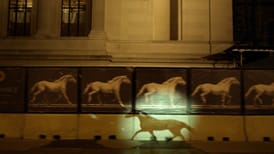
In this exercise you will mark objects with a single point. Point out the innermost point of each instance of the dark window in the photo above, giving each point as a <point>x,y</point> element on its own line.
<point>19,23</point>
<point>76,17</point>
<point>254,22</point>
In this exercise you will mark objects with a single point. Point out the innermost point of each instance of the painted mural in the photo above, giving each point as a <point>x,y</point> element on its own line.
<point>259,91</point>
<point>126,90</point>
<point>106,90</point>
<point>52,89</point>
<point>215,91</point>
<point>161,90</point>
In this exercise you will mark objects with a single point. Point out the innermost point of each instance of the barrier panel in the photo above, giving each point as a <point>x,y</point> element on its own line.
<point>161,90</point>
<point>12,92</point>
<point>259,91</point>
<point>131,90</point>
<point>52,89</point>
<point>106,90</point>
<point>215,91</point>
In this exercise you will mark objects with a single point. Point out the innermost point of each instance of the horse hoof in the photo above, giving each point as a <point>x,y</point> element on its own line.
<point>168,139</point>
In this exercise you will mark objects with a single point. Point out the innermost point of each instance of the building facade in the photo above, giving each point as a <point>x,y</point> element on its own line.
<point>114,32</point>
<point>56,54</point>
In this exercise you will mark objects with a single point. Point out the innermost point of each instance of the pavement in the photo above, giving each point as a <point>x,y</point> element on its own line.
<point>26,146</point>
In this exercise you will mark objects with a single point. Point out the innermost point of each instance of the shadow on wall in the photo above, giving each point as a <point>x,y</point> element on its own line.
<point>140,126</point>
<point>151,124</point>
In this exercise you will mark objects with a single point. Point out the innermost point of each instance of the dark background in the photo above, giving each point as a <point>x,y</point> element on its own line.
<point>12,90</point>
<point>254,22</point>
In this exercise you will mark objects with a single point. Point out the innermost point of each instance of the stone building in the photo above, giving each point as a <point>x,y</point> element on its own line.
<point>53,39</point>
<point>114,32</point>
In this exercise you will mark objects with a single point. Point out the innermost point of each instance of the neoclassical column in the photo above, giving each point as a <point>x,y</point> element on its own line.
<point>98,20</point>
<point>4,17</point>
<point>48,19</point>
<point>161,20</point>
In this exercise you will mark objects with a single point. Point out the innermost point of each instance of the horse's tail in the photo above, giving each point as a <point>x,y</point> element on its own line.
<point>141,91</point>
<point>249,91</point>
<point>196,90</point>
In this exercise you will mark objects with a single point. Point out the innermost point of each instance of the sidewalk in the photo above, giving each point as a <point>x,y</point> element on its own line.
<point>236,147</point>
<point>16,146</point>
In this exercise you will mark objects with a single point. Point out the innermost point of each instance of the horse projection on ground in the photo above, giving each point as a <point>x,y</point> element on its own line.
<point>168,88</point>
<point>150,124</point>
<point>260,90</point>
<point>110,87</point>
<point>58,87</point>
<point>222,89</point>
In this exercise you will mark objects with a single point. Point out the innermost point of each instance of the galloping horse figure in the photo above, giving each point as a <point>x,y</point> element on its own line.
<point>221,88</point>
<point>58,86</point>
<point>151,124</point>
<point>167,87</point>
<point>261,89</point>
<point>110,87</point>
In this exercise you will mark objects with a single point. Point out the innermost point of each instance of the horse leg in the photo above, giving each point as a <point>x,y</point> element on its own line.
<point>58,98</point>
<point>202,95</point>
<point>90,94</point>
<point>176,133</point>
<point>46,101</point>
<point>63,91</point>
<point>223,100</point>
<point>136,134</point>
<point>34,95</point>
<point>254,101</point>
<point>99,99</point>
<point>148,97</point>
<point>117,94</point>
<point>153,137</point>
<point>258,98</point>
<point>171,98</point>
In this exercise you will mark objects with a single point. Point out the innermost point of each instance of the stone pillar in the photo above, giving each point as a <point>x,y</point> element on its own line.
<point>98,20</point>
<point>221,20</point>
<point>180,19</point>
<point>48,19</point>
<point>161,20</point>
<point>195,17</point>
<point>4,17</point>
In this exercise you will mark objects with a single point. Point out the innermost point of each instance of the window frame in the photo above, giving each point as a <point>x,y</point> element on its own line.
<point>27,16</point>
<point>66,29</point>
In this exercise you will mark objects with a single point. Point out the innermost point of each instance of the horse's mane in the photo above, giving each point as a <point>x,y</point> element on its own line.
<point>116,78</point>
<point>64,77</point>
<point>225,80</point>
<point>172,79</point>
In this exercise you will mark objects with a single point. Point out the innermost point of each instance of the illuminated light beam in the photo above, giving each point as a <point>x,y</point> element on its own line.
<point>160,127</point>
<point>162,101</point>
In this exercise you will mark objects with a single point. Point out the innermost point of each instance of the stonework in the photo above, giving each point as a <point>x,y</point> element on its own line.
<point>125,32</point>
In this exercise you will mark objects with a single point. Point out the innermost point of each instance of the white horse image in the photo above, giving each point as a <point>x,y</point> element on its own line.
<point>261,89</point>
<point>151,124</point>
<point>167,87</point>
<point>222,88</point>
<point>110,87</point>
<point>58,86</point>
